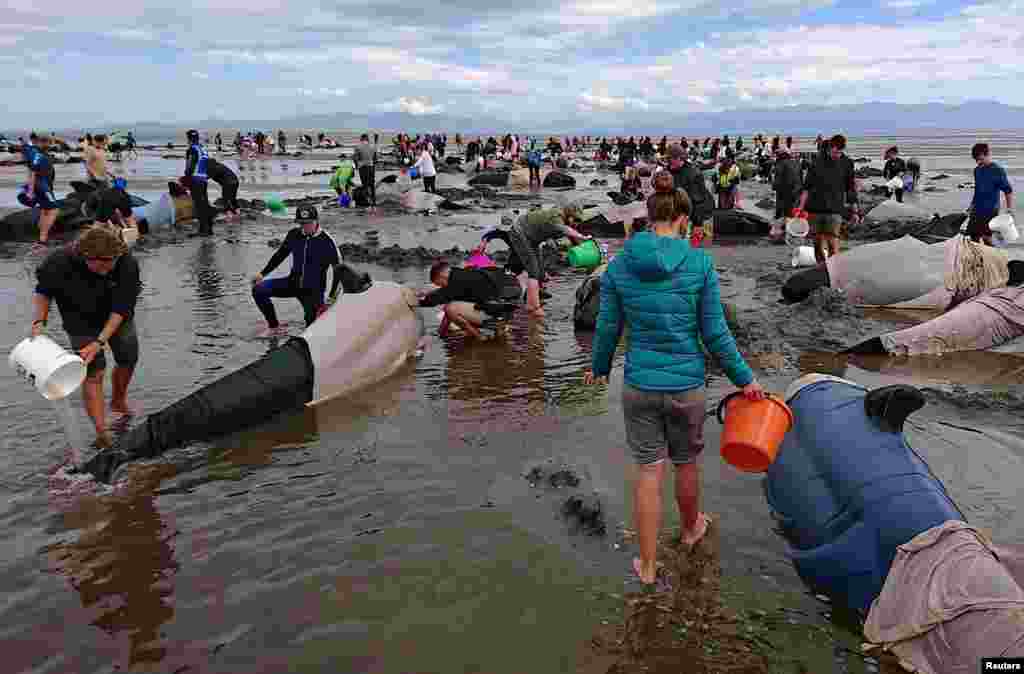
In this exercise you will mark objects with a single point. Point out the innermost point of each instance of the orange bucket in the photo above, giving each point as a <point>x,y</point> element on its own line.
<point>753,431</point>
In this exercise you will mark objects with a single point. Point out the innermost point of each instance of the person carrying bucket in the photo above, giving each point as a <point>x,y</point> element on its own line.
<point>96,284</point>
<point>667,294</point>
<point>524,239</point>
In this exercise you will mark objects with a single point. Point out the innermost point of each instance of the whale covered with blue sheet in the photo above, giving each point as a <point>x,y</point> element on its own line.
<point>846,489</point>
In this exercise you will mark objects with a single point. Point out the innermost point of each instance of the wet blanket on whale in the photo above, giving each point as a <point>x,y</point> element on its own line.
<point>952,597</point>
<point>991,319</point>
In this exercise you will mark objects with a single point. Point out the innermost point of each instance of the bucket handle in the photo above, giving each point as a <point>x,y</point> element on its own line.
<point>723,403</point>
<point>726,399</point>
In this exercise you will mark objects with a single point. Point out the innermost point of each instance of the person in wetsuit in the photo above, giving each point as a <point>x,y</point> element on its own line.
<point>40,167</point>
<point>228,181</point>
<point>313,251</point>
<point>197,162</point>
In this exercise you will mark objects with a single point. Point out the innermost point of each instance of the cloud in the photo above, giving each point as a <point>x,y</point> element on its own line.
<point>412,106</point>
<point>591,57</point>
<point>323,92</point>
<point>601,101</point>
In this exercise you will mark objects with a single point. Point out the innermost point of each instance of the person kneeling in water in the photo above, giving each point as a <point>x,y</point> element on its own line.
<point>462,290</point>
<point>313,251</point>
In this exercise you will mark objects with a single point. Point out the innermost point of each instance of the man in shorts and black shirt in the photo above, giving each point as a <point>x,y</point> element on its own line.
<point>96,284</point>
<point>829,184</point>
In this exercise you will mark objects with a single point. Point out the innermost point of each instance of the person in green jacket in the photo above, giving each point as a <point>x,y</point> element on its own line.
<point>667,294</point>
<point>341,181</point>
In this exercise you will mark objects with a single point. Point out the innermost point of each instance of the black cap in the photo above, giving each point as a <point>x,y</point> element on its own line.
<point>306,214</point>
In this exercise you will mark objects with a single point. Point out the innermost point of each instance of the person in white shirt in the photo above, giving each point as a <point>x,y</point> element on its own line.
<point>425,165</point>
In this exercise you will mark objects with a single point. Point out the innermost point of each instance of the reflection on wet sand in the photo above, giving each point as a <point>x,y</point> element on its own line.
<point>123,563</point>
<point>498,385</point>
<point>978,368</point>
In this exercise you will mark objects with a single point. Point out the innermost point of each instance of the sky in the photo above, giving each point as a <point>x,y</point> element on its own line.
<point>67,64</point>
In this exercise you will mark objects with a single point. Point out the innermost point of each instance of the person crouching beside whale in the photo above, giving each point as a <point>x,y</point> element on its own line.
<point>313,251</point>
<point>463,290</point>
<point>96,284</point>
<point>111,205</point>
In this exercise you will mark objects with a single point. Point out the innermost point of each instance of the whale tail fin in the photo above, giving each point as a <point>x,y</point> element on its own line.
<point>280,381</point>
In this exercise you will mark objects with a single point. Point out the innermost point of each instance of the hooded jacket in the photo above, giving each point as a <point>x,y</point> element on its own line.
<point>667,292</point>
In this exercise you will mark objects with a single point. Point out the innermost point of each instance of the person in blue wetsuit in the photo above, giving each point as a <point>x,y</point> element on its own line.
<point>196,179</point>
<point>989,180</point>
<point>313,251</point>
<point>42,179</point>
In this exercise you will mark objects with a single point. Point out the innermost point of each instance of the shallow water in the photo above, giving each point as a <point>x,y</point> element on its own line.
<point>390,532</point>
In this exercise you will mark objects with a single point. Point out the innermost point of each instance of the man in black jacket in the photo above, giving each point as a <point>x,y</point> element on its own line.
<point>689,178</point>
<point>786,183</point>
<point>829,184</point>
<point>463,291</point>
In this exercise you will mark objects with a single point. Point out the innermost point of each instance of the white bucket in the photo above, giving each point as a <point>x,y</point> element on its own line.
<point>803,256</point>
<point>131,235</point>
<point>798,227</point>
<point>54,372</point>
<point>1004,224</point>
<point>895,183</point>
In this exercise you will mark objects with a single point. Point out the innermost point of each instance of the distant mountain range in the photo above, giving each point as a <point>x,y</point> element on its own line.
<point>859,119</point>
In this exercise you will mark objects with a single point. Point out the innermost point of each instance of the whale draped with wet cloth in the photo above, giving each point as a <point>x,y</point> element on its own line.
<point>364,338</point>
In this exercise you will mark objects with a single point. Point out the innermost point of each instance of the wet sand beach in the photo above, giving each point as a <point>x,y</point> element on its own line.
<point>418,526</point>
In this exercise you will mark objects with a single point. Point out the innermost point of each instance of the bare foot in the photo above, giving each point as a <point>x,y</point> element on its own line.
<point>104,440</point>
<point>648,577</point>
<point>691,538</point>
<point>276,331</point>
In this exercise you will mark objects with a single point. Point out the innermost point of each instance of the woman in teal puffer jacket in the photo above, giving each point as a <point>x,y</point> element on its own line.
<point>667,293</point>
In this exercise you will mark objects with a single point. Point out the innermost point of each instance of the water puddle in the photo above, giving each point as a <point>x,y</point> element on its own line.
<point>968,368</point>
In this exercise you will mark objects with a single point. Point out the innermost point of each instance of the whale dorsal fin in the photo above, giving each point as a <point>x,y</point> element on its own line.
<point>891,405</point>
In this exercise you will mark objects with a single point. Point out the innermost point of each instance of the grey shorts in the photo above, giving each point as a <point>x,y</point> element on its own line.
<point>124,345</point>
<point>660,425</point>
<point>825,223</point>
<point>527,255</point>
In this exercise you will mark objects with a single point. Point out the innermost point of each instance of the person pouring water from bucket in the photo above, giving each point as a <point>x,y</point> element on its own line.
<point>524,239</point>
<point>96,284</point>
